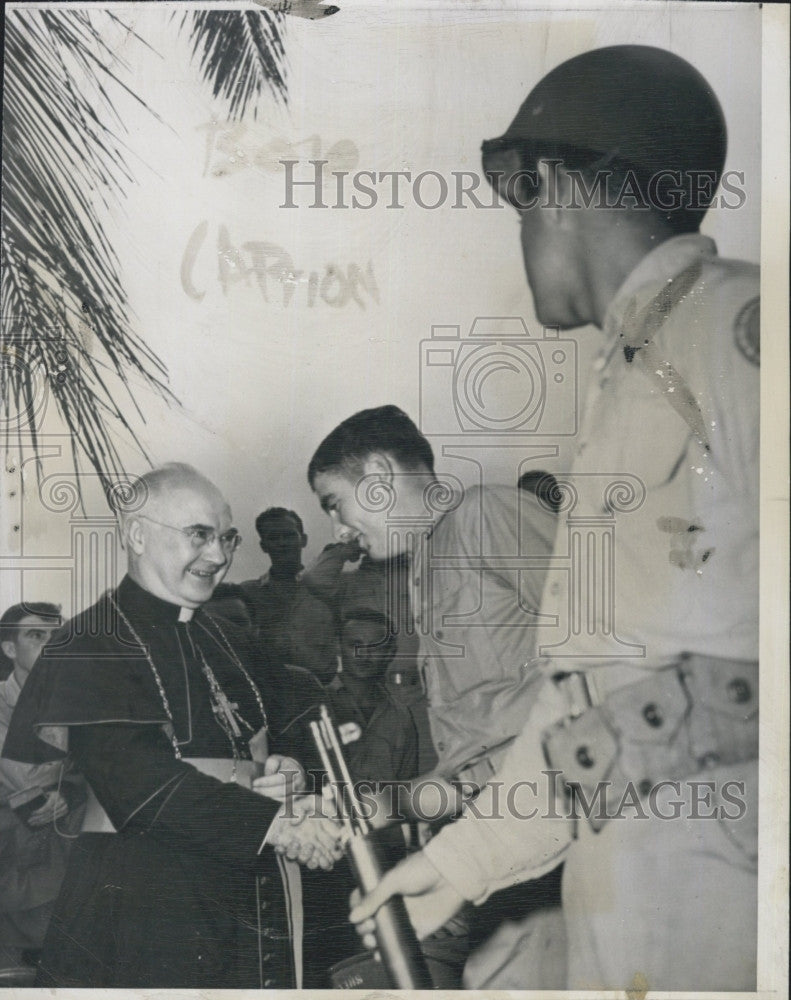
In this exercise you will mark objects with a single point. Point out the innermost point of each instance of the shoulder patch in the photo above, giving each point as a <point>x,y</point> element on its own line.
<point>747,331</point>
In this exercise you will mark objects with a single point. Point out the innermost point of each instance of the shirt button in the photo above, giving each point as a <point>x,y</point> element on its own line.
<point>267,956</point>
<point>269,982</point>
<point>264,904</point>
<point>439,633</point>
<point>262,880</point>
<point>441,745</point>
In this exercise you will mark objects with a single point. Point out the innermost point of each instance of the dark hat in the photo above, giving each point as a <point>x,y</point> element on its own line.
<point>635,103</point>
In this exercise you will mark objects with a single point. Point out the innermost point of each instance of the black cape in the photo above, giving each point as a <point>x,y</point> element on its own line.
<point>183,895</point>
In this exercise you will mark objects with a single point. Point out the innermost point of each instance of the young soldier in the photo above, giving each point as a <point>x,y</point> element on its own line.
<point>296,627</point>
<point>374,476</point>
<point>475,616</point>
<point>34,843</point>
<point>379,733</point>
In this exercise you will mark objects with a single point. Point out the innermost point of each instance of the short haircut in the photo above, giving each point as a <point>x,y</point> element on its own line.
<point>11,618</point>
<point>275,514</point>
<point>385,429</point>
<point>9,625</point>
<point>544,486</point>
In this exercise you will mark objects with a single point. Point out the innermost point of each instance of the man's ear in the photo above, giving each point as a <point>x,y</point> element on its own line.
<point>304,538</point>
<point>379,464</point>
<point>9,648</point>
<point>133,535</point>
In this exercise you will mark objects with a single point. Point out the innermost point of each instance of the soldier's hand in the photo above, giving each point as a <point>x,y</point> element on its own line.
<point>351,550</point>
<point>305,831</point>
<point>282,778</point>
<point>430,900</point>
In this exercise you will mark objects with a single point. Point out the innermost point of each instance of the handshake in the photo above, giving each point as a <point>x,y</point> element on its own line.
<point>305,829</point>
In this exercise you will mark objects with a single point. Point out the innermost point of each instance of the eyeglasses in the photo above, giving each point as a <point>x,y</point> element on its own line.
<point>201,537</point>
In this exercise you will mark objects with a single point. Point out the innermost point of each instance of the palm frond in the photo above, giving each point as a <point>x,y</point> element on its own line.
<point>240,53</point>
<point>64,311</point>
<point>65,324</point>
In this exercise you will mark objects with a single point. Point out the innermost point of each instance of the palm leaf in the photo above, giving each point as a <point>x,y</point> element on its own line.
<point>240,53</point>
<point>62,163</point>
<point>60,275</point>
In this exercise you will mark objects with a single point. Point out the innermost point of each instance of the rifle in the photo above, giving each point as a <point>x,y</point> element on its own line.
<point>395,937</point>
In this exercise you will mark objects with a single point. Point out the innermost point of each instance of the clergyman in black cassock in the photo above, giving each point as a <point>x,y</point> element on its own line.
<point>184,893</point>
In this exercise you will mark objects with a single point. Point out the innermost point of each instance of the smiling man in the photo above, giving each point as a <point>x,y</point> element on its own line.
<point>374,476</point>
<point>475,614</point>
<point>173,882</point>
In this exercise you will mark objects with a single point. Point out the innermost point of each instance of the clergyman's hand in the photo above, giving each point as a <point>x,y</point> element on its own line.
<point>54,808</point>
<point>430,899</point>
<point>305,831</point>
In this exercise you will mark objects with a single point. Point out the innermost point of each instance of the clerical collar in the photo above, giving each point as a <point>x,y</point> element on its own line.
<point>141,604</point>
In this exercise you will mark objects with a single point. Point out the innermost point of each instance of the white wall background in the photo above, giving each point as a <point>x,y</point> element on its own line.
<point>261,382</point>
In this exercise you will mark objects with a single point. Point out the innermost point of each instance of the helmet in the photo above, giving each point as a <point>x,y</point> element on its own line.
<point>643,106</point>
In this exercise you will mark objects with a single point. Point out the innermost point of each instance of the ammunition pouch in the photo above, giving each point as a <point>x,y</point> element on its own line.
<point>673,723</point>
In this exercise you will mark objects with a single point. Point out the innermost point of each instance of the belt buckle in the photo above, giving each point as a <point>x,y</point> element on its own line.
<point>579,689</point>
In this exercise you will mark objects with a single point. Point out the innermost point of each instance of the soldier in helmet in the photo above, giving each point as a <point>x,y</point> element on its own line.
<point>649,719</point>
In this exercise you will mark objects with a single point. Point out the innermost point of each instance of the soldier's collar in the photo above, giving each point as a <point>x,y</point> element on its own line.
<point>663,263</point>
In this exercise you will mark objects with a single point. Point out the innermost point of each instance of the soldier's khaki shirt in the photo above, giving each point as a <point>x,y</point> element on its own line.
<point>475,589</point>
<point>678,425</point>
<point>666,472</point>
